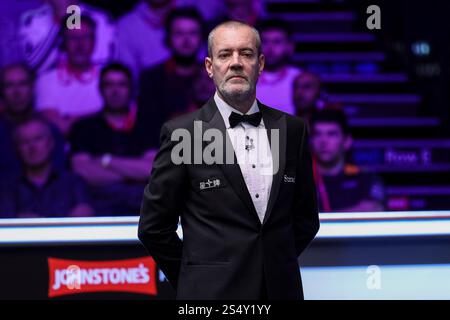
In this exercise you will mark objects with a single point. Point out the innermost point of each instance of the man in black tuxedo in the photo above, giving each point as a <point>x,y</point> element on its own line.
<point>244,221</point>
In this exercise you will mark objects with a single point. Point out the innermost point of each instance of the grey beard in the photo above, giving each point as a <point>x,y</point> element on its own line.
<point>237,97</point>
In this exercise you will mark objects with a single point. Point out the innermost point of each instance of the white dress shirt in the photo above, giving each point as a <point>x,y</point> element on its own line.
<point>252,149</point>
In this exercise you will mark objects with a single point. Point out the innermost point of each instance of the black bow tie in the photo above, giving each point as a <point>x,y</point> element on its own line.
<point>253,119</point>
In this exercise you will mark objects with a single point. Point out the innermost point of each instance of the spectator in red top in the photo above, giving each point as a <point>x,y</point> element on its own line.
<point>341,186</point>
<point>110,149</point>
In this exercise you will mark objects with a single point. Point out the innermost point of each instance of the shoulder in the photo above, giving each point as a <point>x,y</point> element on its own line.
<point>292,122</point>
<point>352,170</point>
<point>29,18</point>
<point>89,123</point>
<point>46,76</point>
<point>152,75</point>
<point>185,121</point>
<point>10,182</point>
<point>153,70</point>
<point>70,179</point>
<point>293,70</point>
<point>98,15</point>
<point>296,122</point>
<point>363,175</point>
<point>129,18</point>
<point>94,119</point>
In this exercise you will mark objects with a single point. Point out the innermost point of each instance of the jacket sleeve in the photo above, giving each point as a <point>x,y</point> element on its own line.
<point>160,210</point>
<point>305,209</point>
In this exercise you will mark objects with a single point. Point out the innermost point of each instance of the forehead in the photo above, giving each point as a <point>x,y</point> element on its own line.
<point>306,79</point>
<point>273,33</point>
<point>185,22</point>
<point>32,128</point>
<point>326,127</point>
<point>15,71</point>
<point>86,28</point>
<point>115,75</point>
<point>234,38</point>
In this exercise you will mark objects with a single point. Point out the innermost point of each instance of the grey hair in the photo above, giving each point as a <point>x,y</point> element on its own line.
<point>233,24</point>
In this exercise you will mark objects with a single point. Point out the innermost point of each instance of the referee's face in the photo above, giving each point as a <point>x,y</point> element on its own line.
<point>235,64</point>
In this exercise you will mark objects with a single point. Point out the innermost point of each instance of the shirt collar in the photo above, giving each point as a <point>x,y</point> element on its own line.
<point>225,109</point>
<point>54,175</point>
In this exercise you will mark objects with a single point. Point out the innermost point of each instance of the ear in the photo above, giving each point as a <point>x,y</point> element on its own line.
<point>208,67</point>
<point>261,62</point>
<point>348,142</point>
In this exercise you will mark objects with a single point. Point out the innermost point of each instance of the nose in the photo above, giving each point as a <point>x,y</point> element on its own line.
<point>236,62</point>
<point>323,142</point>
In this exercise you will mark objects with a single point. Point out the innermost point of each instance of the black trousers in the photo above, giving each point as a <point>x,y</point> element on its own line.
<point>263,295</point>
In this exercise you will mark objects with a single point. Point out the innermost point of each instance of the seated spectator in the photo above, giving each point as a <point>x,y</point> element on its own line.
<point>202,89</point>
<point>17,89</point>
<point>209,10</point>
<point>111,149</point>
<point>165,89</point>
<point>341,186</point>
<point>145,21</point>
<point>309,96</point>
<point>70,91</point>
<point>247,11</point>
<point>40,33</point>
<point>17,85</point>
<point>274,86</point>
<point>42,190</point>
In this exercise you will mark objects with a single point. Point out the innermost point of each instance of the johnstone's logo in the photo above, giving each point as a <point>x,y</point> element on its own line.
<point>70,276</point>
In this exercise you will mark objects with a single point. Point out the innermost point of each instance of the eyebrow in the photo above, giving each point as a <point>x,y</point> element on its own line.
<point>240,50</point>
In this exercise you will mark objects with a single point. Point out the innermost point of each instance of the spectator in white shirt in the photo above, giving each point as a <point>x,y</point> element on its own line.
<point>146,21</point>
<point>275,83</point>
<point>141,35</point>
<point>70,91</point>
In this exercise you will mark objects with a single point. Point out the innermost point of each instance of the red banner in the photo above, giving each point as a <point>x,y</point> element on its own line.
<point>72,276</point>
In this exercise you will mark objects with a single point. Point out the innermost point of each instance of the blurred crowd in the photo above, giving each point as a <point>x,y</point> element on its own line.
<point>81,111</point>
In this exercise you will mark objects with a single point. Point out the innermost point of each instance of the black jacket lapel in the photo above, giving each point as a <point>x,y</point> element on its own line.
<point>212,118</point>
<point>275,121</point>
